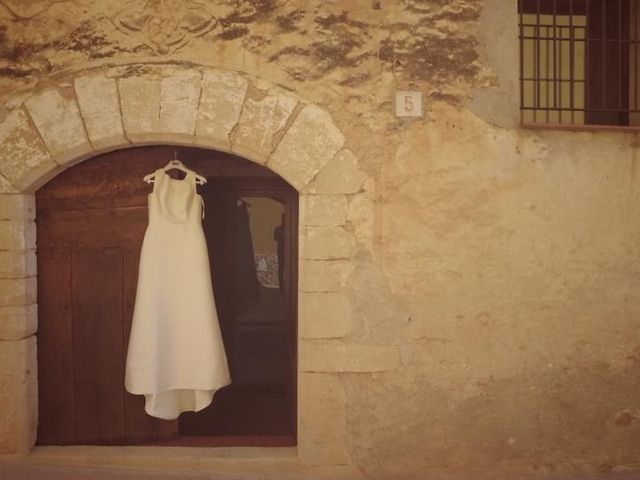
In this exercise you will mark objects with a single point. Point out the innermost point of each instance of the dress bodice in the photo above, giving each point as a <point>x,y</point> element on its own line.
<point>173,200</point>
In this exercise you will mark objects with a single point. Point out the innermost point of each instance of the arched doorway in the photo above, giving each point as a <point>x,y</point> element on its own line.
<point>91,221</point>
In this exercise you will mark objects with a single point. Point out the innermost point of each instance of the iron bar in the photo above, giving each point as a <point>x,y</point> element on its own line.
<point>537,66</point>
<point>603,64</point>
<point>522,60</point>
<point>571,62</point>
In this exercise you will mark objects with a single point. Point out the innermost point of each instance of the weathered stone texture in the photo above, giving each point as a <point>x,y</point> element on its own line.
<point>311,141</point>
<point>485,247</point>
<point>100,106</point>
<point>56,114</point>
<point>380,315</point>
<point>220,106</point>
<point>15,235</point>
<point>326,243</point>
<point>17,207</point>
<point>322,420</point>
<point>345,357</point>
<point>179,96</point>
<point>18,322</point>
<point>264,114</point>
<point>361,216</point>
<point>324,275</point>
<point>25,159</point>
<point>140,103</point>
<point>323,209</point>
<point>18,395</point>
<point>340,175</point>
<point>17,291</point>
<point>17,263</point>
<point>6,187</point>
<point>324,315</point>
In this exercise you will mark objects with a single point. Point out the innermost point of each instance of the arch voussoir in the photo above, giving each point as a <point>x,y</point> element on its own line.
<point>24,158</point>
<point>308,145</point>
<point>221,100</point>
<point>265,115</point>
<point>99,102</point>
<point>56,115</point>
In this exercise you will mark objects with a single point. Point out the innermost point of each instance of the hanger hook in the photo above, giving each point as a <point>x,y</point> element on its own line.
<point>175,160</point>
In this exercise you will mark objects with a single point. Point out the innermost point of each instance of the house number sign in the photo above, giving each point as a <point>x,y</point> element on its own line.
<point>408,104</point>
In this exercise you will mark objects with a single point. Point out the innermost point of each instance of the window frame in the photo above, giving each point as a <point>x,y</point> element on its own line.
<point>594,119</point>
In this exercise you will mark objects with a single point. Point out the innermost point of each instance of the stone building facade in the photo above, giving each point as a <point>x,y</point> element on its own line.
<point>468,302</point>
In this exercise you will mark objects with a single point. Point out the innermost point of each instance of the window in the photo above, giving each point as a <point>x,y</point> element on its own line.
<point>91,221</point>
<point>579,62</point>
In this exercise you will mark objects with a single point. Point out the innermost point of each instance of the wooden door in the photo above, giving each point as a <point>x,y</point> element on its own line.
<point>91,221</point>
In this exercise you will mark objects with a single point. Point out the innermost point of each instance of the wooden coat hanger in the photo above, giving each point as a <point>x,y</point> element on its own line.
<point>175,164</point>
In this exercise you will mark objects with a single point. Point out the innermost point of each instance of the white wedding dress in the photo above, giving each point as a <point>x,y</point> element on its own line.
<point>176,357</point>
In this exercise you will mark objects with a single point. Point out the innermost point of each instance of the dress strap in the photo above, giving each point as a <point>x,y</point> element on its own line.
<point>194,182</point>
<point>157,175</point>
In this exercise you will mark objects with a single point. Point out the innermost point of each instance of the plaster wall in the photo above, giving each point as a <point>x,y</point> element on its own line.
<point>468,287</point>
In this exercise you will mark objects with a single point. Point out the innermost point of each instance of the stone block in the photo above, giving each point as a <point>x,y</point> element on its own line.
<point>17,263</point>
<point>361,215</point>
<point>340,175</point>
<point>140,102</point>
<point>326,243</point>
<point>100,107</point>
<point>56,114</point>
<point>323,209</point>
<point>18,291</point>
<point>18,321</point>
<point>322,438</point>
<point>6,187</point>
<point>308,145</point>
<point>17,207</point>
<point>324,315</point>
<point>324,275</point>
<point>24,159</point>
<point>18,395</point>
<point>336,357</point>
<point>264,114</point>
<point>220,106</point>
<point>179,96</point>
<point>16,235</point>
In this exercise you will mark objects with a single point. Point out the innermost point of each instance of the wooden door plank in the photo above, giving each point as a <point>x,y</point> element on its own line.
<point>97,345</point>
<point>55,358</point>
<point>93,228</point>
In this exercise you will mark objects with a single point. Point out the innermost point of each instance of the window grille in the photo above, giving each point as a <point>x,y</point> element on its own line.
<point>579,62</point>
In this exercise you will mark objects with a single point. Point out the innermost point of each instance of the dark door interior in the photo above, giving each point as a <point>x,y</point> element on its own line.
<point>91,221</point>
<point>248,220</point>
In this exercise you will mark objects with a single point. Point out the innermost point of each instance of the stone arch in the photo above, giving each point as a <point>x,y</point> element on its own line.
<point>105,110</point>
<point>45,131</point>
